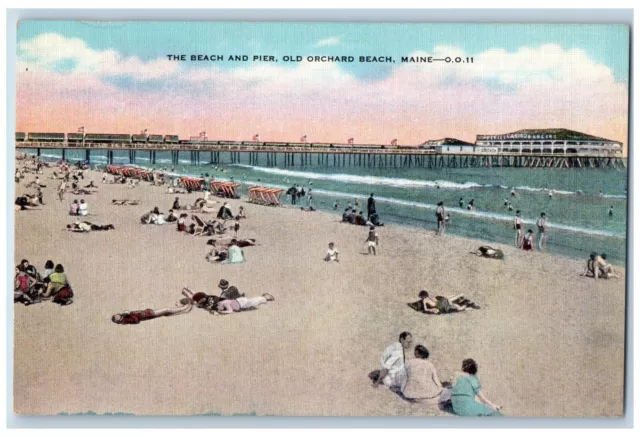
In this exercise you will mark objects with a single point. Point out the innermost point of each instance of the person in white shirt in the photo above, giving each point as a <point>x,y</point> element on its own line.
<point>332,253</point>
<point>160,220</point>
<point>517,225</point>
<point>83,209</point>
<point>393,373</point>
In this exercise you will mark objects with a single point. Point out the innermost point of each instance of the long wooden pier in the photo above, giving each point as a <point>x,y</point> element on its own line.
<point>290,156</point>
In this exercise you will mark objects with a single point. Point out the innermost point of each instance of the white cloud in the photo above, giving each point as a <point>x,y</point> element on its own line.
<point>332,41</point>
<point>46,51</point>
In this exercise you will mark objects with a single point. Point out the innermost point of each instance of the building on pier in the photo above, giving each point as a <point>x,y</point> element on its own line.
<point>549,141</point>
<point>448,146</point>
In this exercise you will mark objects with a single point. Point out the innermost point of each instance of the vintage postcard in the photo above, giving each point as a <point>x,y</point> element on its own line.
<point>320,219</point>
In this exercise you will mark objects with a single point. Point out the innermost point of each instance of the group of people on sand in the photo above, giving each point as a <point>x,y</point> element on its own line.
<point>371,243</point>
<point>229,301</point>
<point>31,287</point>
<point>297,193</point>
<point>599,267</point>
<point>527,241</point>
<point>416,380</point>
<point>228,252</point>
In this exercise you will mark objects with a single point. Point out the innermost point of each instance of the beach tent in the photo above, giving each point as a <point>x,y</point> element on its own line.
<point>265,196</point>
<point>113,169</point>
<point>225,189</point>
<point>192,183</point>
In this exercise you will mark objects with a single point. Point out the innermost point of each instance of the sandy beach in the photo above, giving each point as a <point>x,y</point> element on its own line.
<point>548,342</point>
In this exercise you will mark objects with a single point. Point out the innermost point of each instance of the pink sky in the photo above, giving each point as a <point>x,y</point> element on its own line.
<point>325,103</point>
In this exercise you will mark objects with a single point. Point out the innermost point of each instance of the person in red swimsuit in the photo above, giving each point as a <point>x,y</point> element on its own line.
<point>134,317</point>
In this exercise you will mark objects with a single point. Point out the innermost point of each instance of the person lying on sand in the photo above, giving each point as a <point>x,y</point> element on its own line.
<point>233,254</point>
<point>125,202</point>
<point>207,302</point>
<point>81,192</point>
<point>441,304</point>
<point>91,185</point>
<point>229,306</point>
<point>79,226</point>
<point>223,243</point>
<point>217,256</point>
<point>22,203</point>
<point>135,317</point>
<point>488,252</point>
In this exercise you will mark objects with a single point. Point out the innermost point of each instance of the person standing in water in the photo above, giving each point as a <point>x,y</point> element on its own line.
<point>542,230</point>
<point>611,211</point>
<point>517,225</point>
<point>371,206</point>
<point>461,203</point>
<point>440,217</point>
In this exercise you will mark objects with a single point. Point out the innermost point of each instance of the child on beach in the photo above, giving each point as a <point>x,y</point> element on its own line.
<point>236,227</point>
<point>332,253</point>
<point>528,241</point>
<point>372,240</point>
<point>542,225</point>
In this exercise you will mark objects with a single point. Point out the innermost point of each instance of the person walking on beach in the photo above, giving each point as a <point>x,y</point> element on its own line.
<point>440,218</point>
<point>371,206</point>
<point>542,225</point>
<point>372,240</point>
<point>393,373</point>
<point>517,225</point>
<point>61,189</point>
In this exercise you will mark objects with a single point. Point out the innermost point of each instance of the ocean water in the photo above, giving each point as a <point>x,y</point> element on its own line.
<point>577,210</point>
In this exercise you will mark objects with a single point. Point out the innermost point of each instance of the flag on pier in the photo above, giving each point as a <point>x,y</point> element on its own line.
<point>303,139</point>
<point>81,130</point>
<point>394,142</point>
<point>203,134</point>
<point>256,137</point>
<point>143,132</point>
<point>350,141</point>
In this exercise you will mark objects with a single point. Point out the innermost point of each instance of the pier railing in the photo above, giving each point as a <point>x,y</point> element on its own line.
<point>334,156</point>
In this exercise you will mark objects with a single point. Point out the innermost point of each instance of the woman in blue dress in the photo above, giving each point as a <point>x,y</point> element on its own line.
<point>464,393</point>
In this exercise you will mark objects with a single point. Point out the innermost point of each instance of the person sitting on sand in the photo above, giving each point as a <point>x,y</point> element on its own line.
<point>172,217</point>
<point>176,204</point>
<point>83,208</point>
<point>360,219</point>
<point>235,254</point>
<point>59,287</point>
<point>467,389</point>
<point>23,286</point>
<point>91,185</point>
<point>146,217</point>
<point>375,220</point>
<point>217,256</point>
<point>228,291</point>
<point>590,270</point>
<point>489,252</point>
<point>345,215</point>
<point>229,306</point>
<point>181,223</point>
<point>160,220</point>
<point>74,207</point>
<point>134,317</point>
<point>528,241</point>
<point>85,226</point>
<point>224,212</point>
<point>393,373</point>
<point>604,268</point>
<point>332,253</point>
<point>423,384</point>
